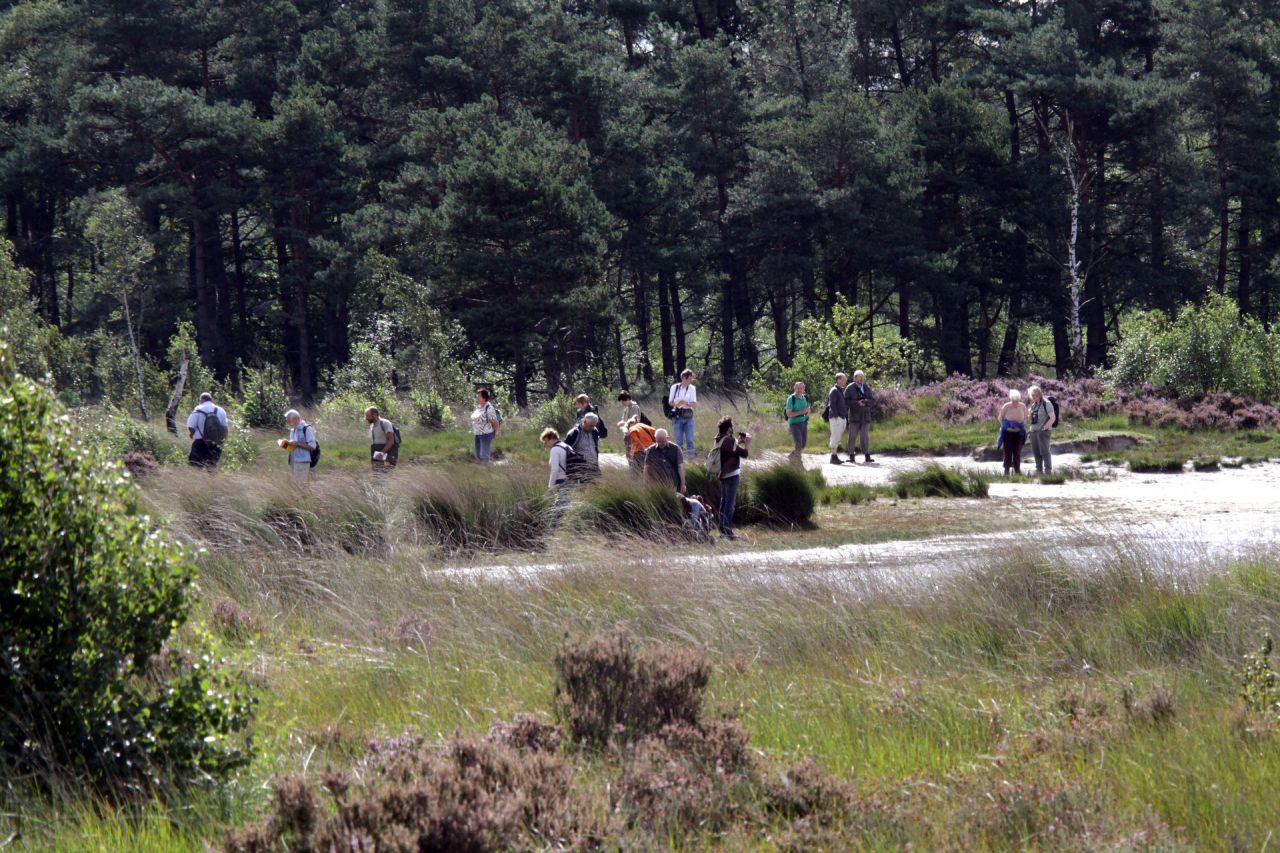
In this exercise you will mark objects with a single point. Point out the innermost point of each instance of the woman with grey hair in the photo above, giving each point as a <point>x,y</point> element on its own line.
<point>1013,431</point>
<point>1044,417</point>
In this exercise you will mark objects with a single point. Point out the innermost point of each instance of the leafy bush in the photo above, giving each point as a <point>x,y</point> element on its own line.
<point>837,344</point>
<point>784,494</point>
<point>264,399</point>
<point>117,434</point>
<point>937,481</point>
<point>627,505</point>
<point>238,450</point>
<point>560,412</point>
<point>1206,348</point>
<point>367,373</point>
<point>431,410</point>
<point>348,407</point>
<point>89,597</point>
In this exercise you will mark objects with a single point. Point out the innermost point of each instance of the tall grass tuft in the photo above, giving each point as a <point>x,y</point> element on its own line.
<point>621,504</point>
<point>485,510</point>
<point>783,494</point>
<point>937,481</point>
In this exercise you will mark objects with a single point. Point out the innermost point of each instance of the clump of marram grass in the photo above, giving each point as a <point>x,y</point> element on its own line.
<point>937,481</point>
<point>1150,463</point>
<point>848,493</point>
<point>622,504</point>
<point>232,621</point>
<point>485,510</point>
<point>783,494</point>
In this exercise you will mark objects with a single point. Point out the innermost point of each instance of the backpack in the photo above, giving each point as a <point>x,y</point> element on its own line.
<point>213,431</point>
<point>575,464</point>
<point>1057,411</point>
<point>667,411</point>
<point>644,419</point>
<point>714,462</point>
<point>315,453</point>
<point>497,416</point>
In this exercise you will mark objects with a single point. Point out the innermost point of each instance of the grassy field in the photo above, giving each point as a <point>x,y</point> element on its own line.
<point>1015,705</point>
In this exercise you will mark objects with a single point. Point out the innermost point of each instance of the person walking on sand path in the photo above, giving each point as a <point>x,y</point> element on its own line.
<point>486,423</point>
<point>207,429</point>
<point>1013,431</point>
<point>797,412</point>
<point>861,408</point>
<point>838,417</point>
<point>1044,417</point>
<point>384,444</point>
<point>300,444</point>
<point>683,399</point>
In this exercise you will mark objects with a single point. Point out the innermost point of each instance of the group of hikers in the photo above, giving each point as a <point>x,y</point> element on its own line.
<point>652,452</point>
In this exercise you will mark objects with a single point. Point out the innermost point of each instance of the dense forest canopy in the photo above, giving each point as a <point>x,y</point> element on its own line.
<point>549,187</point>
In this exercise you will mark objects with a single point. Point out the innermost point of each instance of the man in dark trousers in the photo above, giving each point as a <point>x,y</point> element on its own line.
<point>861,405</point>
<point>838,417</point>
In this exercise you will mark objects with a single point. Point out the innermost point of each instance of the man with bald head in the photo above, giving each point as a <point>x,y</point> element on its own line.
<point>664,462</point>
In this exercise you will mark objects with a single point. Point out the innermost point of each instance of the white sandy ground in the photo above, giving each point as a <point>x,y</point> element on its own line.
<point>1175,523</point>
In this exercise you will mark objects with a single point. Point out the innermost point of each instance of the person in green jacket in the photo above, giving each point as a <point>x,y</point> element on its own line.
<point>798,409</point>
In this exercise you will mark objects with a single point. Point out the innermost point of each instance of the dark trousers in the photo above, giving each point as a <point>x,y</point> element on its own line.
<point>204,454</point>
<point>383,465</point>
<point>728,502</point>
<point>1013,441</point>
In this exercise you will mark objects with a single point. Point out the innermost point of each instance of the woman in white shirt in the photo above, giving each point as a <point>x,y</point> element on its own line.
<point>485,424</point>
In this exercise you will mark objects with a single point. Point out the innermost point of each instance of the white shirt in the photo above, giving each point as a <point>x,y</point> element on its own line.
<point>559,471</point>
<point>195,420</point>
<point>680,395</point>
<point>379,431</point>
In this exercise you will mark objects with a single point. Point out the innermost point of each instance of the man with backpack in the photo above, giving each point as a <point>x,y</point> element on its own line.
<point>562,461</point>
<point>681,405</point>
<point>836,413</point>
<point>664,461</point>
<point>585,408</point>
<point>304,450</point>
<point>797,412</point>
<point>1044,417</point>
<point>384,441</point>
<point>585,440</point>
<point>207,429</point>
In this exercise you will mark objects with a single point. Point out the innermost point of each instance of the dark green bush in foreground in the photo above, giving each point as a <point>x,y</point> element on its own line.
<point>783,494</point>
<point>937,481</point>
<point>89,597</point>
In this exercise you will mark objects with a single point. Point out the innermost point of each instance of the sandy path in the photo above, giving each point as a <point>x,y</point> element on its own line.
<point>1171,522</point>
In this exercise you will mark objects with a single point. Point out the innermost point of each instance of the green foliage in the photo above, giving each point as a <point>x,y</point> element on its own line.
<point>348,407</point>
<point>559,411</point>
<point>1259,686</point>
<point>431,410</point>
<point>367,373</point>
<point>784,494</point>
<point>1152,463</point>
<point>199,377</point>
<point>938,481</point>
<point>850,493</point>
<point>482,510</point>
<point>115,432</point>
<point>92,596</point>
<point>1208,347</point>
<point>264,399</point>
<point>837,345</point>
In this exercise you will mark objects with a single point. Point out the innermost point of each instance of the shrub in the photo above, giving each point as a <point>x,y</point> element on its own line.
<point>937,481</point>
<point>1206,463</point>
<point>784,494</point>
<point>606,691</point>
<point>475,795</point>
<point>264,399</point>
<point>1259,687</point>
<point>627,505</point>
<point>89,596</point>
<point>431,410</point>
<point>851,493</point>
<point>117,434</point>
<point>347,407</point>
<point>483,510</point>
<point>560,412</point>
<point>238,450</point>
